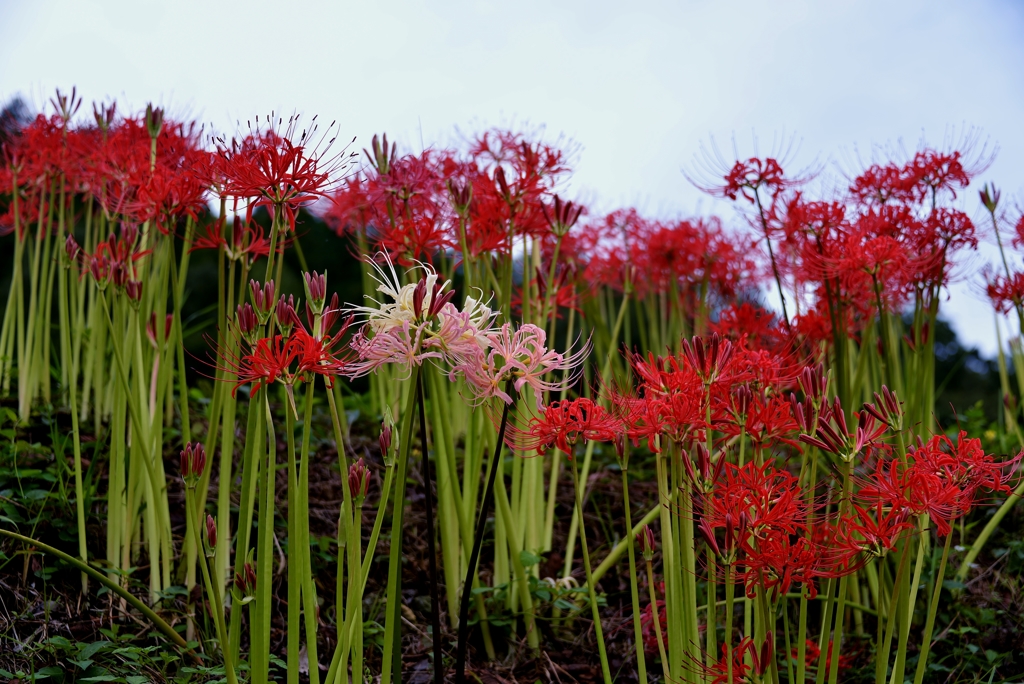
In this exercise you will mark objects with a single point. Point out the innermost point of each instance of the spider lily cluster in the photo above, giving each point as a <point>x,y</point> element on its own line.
<point>803,484</point>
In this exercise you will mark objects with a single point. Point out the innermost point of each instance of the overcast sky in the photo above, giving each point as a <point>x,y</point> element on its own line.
<point>640,88</point>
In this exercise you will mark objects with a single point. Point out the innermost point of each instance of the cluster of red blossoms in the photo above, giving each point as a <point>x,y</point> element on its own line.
<point>755,515</point>
<point>294,353</point>
<point>146,170</point>
<point>483,201</point>
<point>888,242</point>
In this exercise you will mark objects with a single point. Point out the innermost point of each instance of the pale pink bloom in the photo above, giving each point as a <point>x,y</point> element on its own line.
<point>519,354</point>
<point>402,344</point>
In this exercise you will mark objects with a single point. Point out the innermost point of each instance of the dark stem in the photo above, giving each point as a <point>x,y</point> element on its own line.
<point>478,539</point>
<point>771,255</point>
<point>428,497</point>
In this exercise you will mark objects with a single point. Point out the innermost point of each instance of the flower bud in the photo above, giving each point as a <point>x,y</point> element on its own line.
<point>499,178</point>
<point>316,290</point>
<point>151,329</point>
<point>245,582</point>
<point>989,197</point>
<point>461,196</point>
<point>382,158</point>
<point>133,288</point>
<point>154,120</point>
<point>709,536</point>
<point>71,250</point>
<point>129,235</point>
<point>358,481</point>
<point>193,464</point>
<point>562,216</point>
<point>262,299</point>
<point>119,275</point>
<point>621,451</point>
<point>247,322</point>
<point>286,316</point>
<point>211,534</point>
<point>99,267</point>
<point>104,115</point>
<point>418,295</point>
<point>645,540</point>
<point>388,438</point>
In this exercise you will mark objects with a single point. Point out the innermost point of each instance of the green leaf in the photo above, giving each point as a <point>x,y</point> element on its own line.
<point>528,559</point>
<point>566,606</point>
<point>953,585</point>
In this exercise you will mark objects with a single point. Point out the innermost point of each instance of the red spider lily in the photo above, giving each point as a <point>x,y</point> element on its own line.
<point>407,207</point>
<point>778,562</point>
<point>923,177</point>
<point>754,326</point>
<point>739,671</point>
<point>280,169</point>
<point>812,653</point>
<point>766,419</point>
<point>319,356</point>
<point>838,440</point>
<point>747,177</point>
<point>1018,232</point>
<point>873,530</point>
<point>942,479</point>
<point>245,240</point>
<point>768,499</point>
<point>1006,293</point>
<point>563,423</point>
<point>268,360</point>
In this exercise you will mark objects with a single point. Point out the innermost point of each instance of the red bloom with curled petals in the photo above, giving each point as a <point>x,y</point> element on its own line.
<point>564,423</point>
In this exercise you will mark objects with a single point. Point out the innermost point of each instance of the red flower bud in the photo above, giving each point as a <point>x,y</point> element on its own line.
<point>262,299</point>
<point>154,120</point>
<point>709,536</point>
<point>286,316</point>
<point>133,288</point>
<point>358,481</point>
<point>71,249</point>
<point>316,290</point>
<point>211,531</point>
<point>645,540</point>
<point>119,274</point>
<point>193,463</point>
<point>246,319</point>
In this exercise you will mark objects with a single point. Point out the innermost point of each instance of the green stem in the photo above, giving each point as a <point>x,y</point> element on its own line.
<point>657,620</point>
<point>933,608</point>
<point>392,663</point>
<point>605,671</point>
<point>638,639</point>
